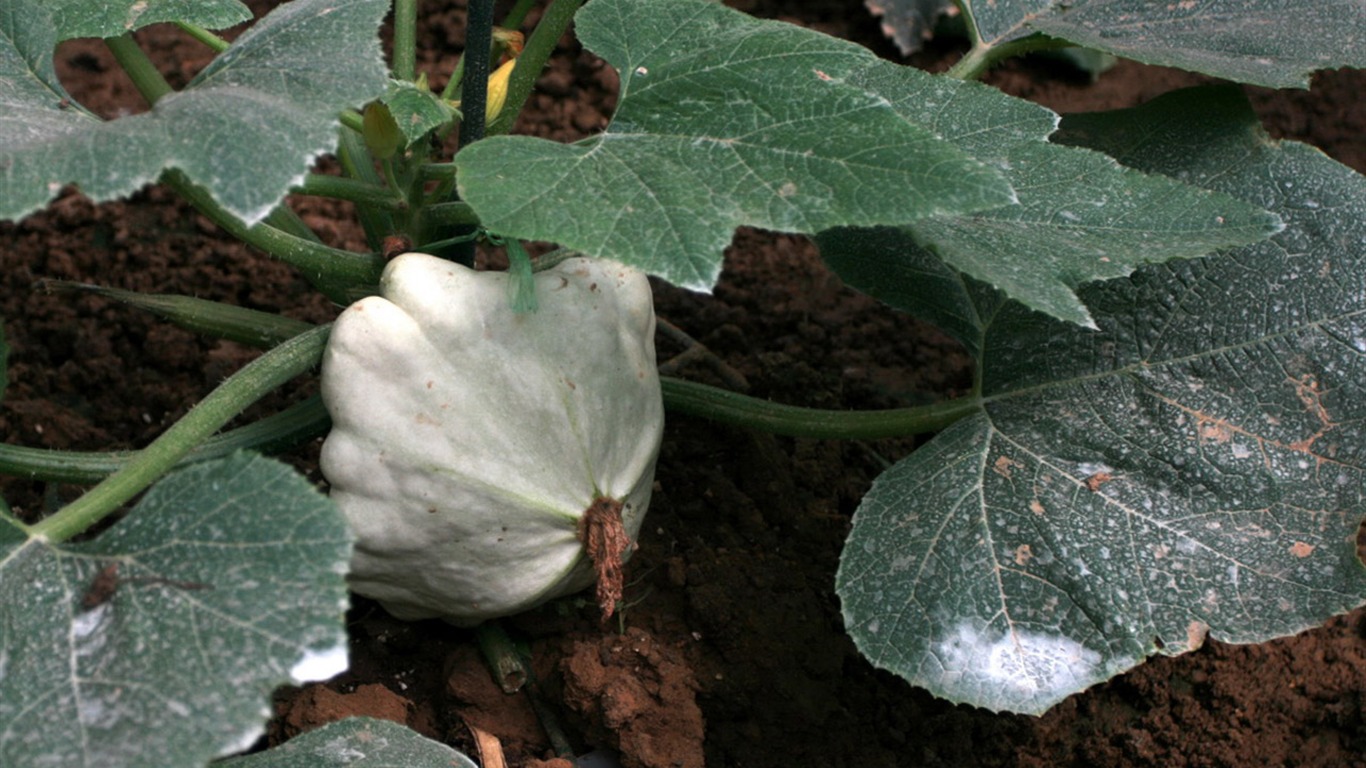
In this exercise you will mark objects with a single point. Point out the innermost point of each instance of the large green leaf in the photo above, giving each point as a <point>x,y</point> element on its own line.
<point>1079,215</point>
<point>1195,465</point>
<point>1265,42</point>
<point>723,120</point>
<point>158,643</point>
<point>103,18</point>
<point>246,128</point>
<point>356,742</point>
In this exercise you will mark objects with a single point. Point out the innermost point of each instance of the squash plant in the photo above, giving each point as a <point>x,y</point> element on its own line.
<point>1165,308</point>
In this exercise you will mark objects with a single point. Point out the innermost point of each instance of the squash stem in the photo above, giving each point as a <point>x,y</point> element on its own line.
<point>405,40</point>
<point>982,56</point>
<point>282,235</point>
<point>276,433</point>
<point>500,654</point>
<point>204,36</point>
<point>719,405</point>
<point>255,380</point>
<point>554,21</point>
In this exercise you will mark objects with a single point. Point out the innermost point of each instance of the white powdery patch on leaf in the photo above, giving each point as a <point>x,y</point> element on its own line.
<point>1016,666</point>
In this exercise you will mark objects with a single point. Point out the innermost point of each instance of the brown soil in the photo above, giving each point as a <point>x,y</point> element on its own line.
<point>731,649</point>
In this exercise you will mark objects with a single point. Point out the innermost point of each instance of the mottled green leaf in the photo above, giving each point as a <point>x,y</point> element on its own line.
<point>110,18</point>
<point>1194,465</point>
<point>1264,42</point>
<point>1079,216</point>
<point>159,642</point>
<point>356,742</point>
<point>723,120</point>
<point>247,128</point>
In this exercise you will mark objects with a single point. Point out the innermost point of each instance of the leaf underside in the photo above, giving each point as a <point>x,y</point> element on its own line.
<point>246,128</point>
<point>1194,465</point>
<point>159,642</point>
<point>1262,42</point>
<point>723,120</point>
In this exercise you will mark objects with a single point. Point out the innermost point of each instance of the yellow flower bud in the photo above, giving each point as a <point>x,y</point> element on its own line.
<point>498,90</point>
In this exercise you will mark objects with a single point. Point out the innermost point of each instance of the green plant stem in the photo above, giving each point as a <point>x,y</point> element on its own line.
<point>982,57</point>
<point>450,214</point>
<point>204,36</point>
<point>354,190</point>
<point>452,88</point>
<point>438,171</point>
<point>537,52</point>
<point>741,410</point>
<point>211,318</point>
<point>276,433</point>
<point>517,14</point>
<point>140,69</point>
<point>358,164</point>
<point>335,272</point>
<point>386,166</point>
<point>405,40</point>
<point>501,657</point>
<point>255,380</point>
<point>352,119</point>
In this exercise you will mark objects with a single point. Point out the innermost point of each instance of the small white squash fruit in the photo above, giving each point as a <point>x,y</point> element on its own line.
<point>489,460</point>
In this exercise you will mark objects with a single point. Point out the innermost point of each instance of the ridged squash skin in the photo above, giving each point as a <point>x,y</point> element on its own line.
<point>468,440</point>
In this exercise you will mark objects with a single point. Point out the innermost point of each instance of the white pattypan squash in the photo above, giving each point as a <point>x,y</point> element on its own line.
<point>478,453</point>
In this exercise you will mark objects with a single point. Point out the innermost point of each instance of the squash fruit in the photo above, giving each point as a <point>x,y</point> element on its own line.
<point>489,460</point>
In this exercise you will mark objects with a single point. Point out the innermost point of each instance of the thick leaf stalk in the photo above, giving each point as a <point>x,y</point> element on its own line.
<point>254,381</point>
<point>273,434</point>
<point>741,410</point>
<point>539,47</point>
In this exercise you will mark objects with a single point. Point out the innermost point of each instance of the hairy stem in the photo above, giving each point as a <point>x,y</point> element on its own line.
<point>741,410</point>
<point>333,270</point>
<point>204,36</point>
<point>202,316</point>
<point>257,379</point>
<point>537,52</point>
<point>455,213</point>
<point>501,656</point>
<point>276,433</point>
<point>517,14</point>
<point>982,57</point>
<point>354,190</point>
<point>140,69</point>
<point>359,165</point>
<point>405,40</point>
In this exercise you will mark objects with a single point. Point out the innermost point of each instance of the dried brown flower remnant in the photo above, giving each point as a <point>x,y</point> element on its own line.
<point>394,245</point>
<point>605,538</point>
